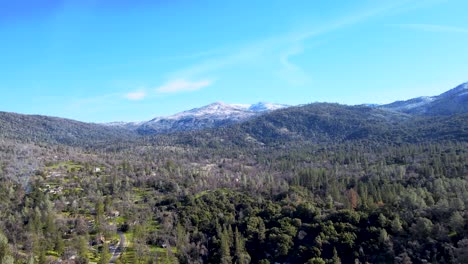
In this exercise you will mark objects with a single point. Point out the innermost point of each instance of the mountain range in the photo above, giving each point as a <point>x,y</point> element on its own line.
<point>439,117</point>
<point>454,101</point>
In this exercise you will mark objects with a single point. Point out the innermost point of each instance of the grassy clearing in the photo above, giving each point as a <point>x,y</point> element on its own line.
<point>52,253</point>
<point>128,239</point>
<point>162,251</point>
<point>128,256</point>
<point>153,226</point>
<point>93,256</point>
<point>68,165</point>
<point>200,194</point>
<point>140,194</point>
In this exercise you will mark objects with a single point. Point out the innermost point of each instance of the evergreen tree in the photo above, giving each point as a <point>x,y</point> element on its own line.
<point>105,255</point>
<point>242,257</point>
<point>396,225</point>
<point>225,251</point>
<point>7,259</point>
<point>336,259</point>
<point>4,248</point>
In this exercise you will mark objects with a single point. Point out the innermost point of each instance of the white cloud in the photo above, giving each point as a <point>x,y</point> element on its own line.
<point>183,86</point>
<point>138,95</point>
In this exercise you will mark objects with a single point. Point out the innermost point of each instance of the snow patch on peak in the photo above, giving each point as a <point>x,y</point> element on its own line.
<point>426,99</point>
<point>409,104</point>
<point>418,102</point>
<point>216,104</point>
<point>218,112</point>
<point>264,106</point>
<point>221,106</point>
<point>463,87</point>
<point>212,115</point>
<point>122,124</point>
<point>459,89</point>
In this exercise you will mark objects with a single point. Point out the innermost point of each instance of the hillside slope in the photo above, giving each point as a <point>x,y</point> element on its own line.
<point>45,129</point>
<point>325,124</point>
<point>454,101</point>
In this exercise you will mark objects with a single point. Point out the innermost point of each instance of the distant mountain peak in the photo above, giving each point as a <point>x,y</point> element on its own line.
<point>222,108</point>
<point>213,115</point>
<point>460,88</point>
<point>454,101</point>
<point>216,104</point>
<point>223,105</point>
<point>265,106</point>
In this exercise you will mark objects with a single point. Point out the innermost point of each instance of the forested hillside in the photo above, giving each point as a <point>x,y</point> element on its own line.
<point>452,102</point>
<point>323,123</point>
<point>53,130</point>
<point>321,183</point>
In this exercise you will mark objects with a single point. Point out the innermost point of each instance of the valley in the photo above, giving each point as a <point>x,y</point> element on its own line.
<point>319,183</point>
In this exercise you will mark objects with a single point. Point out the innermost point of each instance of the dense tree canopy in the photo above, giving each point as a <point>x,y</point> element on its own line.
<point>299,186</point>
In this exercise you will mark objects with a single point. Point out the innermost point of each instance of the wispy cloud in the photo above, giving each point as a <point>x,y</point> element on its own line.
<point>293,73</point>
<point>229,58</point>
<point>183,86</point>
<point>434,28</point>
<point>279,48</point>
<point>134,96</point>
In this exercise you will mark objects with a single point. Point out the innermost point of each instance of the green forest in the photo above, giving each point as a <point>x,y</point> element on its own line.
<point>297,186</point>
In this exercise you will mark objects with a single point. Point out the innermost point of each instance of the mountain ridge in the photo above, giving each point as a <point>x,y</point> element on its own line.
<point>259,121</point>
<point>212,115</point>
<point>453,101</point>
<point>40,128</point>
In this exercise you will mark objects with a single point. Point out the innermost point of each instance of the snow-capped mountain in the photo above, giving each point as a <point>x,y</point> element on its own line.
<point>454,101</point>
<point>212,115</point>
<point>218,110</point>
<point>127,125</point>
<point>262,106</point>
<point>409,105</point>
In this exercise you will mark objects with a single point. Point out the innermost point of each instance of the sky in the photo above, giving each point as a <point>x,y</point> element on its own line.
<point>115,60</point>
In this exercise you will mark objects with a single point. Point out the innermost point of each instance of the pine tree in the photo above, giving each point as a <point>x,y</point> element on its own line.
<point>82,247</point>
<point>59,246</point>
<point>336,259</point>
<point>242,257</point>
<point>4,250</point>
<point>396,225</point>
<point>225,251</point>
<point>105,255</point>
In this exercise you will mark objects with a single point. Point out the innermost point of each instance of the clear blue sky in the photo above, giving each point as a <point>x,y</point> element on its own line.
<point>116,60</point>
